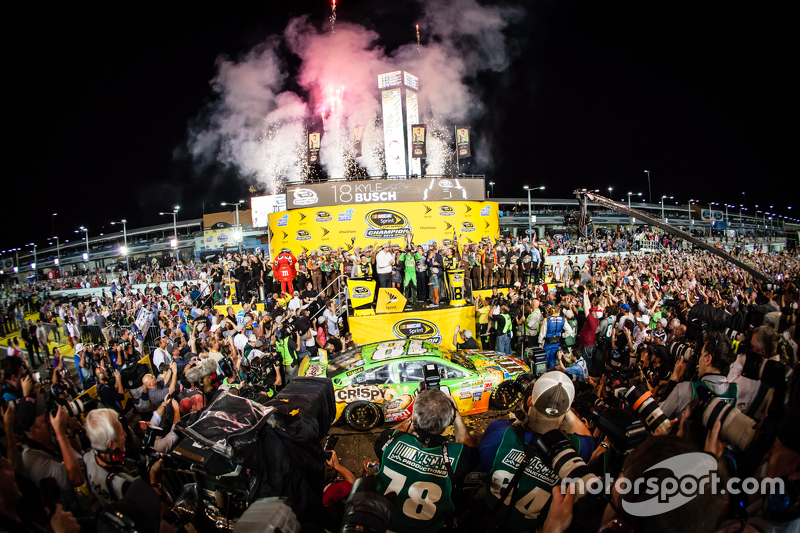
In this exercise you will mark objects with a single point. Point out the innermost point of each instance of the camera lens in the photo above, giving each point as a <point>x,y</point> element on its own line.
<point>366,511</point>
<point>641,400</point>
<point>555,449</point>
<point>679,350</point>
<point>737,428</point>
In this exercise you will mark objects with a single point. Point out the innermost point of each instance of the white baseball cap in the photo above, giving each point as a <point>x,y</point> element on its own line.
<point>553,394</point>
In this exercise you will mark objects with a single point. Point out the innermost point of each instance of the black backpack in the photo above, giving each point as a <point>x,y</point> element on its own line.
<point>132,375</point>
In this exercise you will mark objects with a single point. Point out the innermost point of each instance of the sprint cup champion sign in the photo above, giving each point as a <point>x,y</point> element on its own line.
<point>346,226</point>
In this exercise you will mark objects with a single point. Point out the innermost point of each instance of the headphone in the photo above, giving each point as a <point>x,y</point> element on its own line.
<point>115,457</point>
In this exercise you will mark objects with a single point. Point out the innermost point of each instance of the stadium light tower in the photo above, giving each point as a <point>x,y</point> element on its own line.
<point>124,248</point>
<point>530,223</point>
<point>174,214</point>
<point>86,233</point>
<point>630,219</point>
<point>238,233</point>
<point>58,253</point>
<point>662,205</point>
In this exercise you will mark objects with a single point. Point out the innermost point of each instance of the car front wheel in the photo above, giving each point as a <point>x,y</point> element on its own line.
<point>504,396</point>
<point>363,416</point>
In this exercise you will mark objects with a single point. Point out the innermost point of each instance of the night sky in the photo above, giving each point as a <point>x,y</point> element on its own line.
<point>703,94</point>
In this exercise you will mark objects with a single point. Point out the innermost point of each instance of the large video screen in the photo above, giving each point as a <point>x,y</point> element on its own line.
<point>372,191</point>
<point>262,206</point>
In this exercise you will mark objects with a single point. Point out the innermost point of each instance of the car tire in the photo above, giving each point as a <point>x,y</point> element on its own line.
<point>504,396</point>
<point>363,416</point>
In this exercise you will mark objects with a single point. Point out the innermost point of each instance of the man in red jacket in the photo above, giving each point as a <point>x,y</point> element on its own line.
<point>588,334</point>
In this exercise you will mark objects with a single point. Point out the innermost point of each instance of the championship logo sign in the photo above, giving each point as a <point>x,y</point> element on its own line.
<point>304,196</point>
<point>467,226</point>
<point>386,224</point>
<point>325,249</point>
<point>302,235</point>
<point>323,216</point>
<point>361,292</point>
<point>417,328</point>
<point>446,211</point>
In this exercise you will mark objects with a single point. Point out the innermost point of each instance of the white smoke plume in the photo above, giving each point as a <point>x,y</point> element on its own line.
<point>257,126</point>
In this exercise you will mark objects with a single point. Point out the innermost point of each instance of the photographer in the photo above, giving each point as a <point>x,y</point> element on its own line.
<point>463,340</point>
<point>712,369</point>
<point>41,458</point>
<point>105,462</point>
<point>753,395</point>
<point>16,384</point>
<point>152,391</point>
<point>424,489</point>
<point>548,405</point>
<point>701,513</point>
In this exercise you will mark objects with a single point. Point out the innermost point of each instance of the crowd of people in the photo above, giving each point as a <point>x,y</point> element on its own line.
<point>670,323</point>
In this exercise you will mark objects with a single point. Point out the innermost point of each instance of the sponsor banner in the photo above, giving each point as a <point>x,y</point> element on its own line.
<point>313,228</point>
<point>379,190</point>
<point>390,301</point>
<point>219,236</point>
<point>362,292</point>
<point>393,135</point>
<point>463,143</point>
<point>418,138</point>
<point>712,214</point>
<point>358,134</point>
<point>314,139</point>
<point>262,206</point>
<point>412,117</point>
<point>437,326</point>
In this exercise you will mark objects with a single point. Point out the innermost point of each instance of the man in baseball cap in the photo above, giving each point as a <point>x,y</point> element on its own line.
<point>503,446</point>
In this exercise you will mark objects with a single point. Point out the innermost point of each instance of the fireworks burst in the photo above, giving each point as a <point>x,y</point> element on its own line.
<point>440,154</point>
<point>419,45</point>
<point>333,17</point>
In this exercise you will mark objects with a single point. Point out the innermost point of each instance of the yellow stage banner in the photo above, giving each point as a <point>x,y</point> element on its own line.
<point>437,326</point>
<point>361,225</point>
<point>390,301</point>
<point>362,292</point>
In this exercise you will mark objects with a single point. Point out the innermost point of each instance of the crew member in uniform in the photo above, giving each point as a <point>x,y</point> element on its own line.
<point>421,467</point>
<point>475,269</point>
<point>315,266</point>
<point>364,268</point>
<point>450,260</point>
<point>488,265</point>
<point>550,333</point>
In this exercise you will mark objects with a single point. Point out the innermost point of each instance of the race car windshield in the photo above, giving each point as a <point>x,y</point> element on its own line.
<point>461,359</point>
<point>347,360</point>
